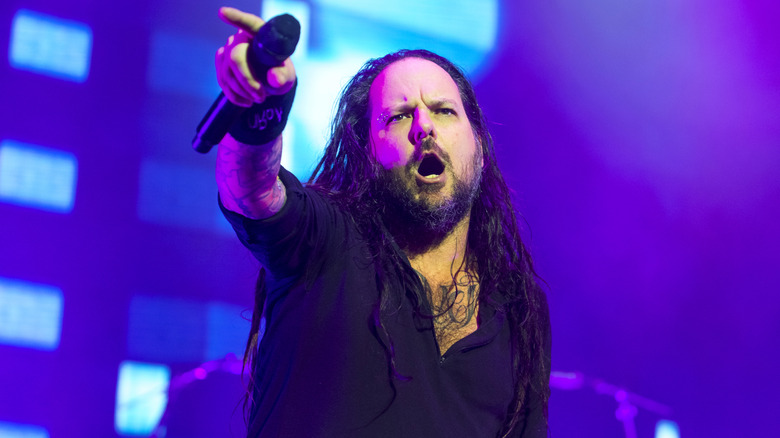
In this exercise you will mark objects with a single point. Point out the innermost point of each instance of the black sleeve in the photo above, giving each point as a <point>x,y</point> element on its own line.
<point>301,234</point>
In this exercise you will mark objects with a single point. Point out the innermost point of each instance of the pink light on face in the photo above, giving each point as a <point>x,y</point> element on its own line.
<point>410,100</point>
<point>388,157</point>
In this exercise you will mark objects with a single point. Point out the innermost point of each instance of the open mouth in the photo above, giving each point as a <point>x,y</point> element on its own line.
<point>430,166</point>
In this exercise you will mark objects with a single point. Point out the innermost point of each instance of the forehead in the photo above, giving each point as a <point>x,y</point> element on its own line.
<point>409,79</point>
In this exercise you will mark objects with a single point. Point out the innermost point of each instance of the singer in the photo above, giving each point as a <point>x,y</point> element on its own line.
<point>398,297</point>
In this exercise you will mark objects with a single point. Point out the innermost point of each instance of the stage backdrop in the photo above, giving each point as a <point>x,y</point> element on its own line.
<point>642,141</point>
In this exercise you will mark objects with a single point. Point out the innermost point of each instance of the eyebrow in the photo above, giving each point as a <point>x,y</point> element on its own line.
<point>404,106</point>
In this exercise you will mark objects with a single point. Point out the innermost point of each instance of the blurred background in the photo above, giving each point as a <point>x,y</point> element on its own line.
<point>641,139</point>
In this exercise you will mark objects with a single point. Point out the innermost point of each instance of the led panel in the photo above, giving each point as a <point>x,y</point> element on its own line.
<point>175,330</point>
<point>182,64</point>
<point>30,314</point>
<point>179,195</point>
<point>15,430</point>
<point>227,330</point>
<point>141,397</point>
<point>166,329</point>
<point>37,177</point>
<point>50,45</point>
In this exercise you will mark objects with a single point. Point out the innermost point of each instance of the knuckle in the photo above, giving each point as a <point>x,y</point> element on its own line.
<point>237,56</point>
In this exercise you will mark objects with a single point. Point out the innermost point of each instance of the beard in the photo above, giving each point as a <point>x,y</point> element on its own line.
<point>416,216</point>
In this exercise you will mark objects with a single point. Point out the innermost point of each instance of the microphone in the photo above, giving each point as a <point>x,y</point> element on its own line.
<point>273,43</point>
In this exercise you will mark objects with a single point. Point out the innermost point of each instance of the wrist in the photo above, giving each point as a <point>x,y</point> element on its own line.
<point>263,122</point>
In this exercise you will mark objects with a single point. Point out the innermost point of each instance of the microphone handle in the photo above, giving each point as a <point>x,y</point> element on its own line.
<point>218,119</point>
<point>215,123</point>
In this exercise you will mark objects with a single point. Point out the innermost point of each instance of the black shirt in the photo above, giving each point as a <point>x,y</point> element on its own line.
<point>322,370</point>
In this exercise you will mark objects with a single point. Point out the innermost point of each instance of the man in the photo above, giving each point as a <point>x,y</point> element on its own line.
<point>399,299</point>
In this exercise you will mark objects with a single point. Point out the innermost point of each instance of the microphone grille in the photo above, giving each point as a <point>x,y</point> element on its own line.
<point>280,35</point>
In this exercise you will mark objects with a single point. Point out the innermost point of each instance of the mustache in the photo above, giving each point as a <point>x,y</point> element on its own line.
<point>427,147</point>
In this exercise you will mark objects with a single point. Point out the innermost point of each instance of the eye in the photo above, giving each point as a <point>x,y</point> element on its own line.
<point>445,111</point>
<point>397,117</point>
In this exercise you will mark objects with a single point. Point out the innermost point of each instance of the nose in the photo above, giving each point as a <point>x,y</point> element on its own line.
<point>422,126</point>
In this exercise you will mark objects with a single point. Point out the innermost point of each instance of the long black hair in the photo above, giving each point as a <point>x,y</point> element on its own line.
<point>504,267</point>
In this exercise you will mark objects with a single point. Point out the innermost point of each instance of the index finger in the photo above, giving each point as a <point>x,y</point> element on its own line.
<point>243,20</point>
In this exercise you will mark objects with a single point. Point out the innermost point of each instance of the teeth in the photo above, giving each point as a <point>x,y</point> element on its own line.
<point>431,176</point>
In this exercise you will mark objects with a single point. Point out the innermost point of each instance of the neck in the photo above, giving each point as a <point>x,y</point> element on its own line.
<point>439,258</point>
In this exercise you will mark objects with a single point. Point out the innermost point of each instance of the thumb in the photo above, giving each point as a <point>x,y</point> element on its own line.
<point>243,20</point>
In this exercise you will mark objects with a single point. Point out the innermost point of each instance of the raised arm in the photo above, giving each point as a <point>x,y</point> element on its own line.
<point>247,168</point>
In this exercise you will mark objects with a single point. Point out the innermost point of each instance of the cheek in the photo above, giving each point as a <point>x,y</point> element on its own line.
<point>388,153</point>
<point>470,156</point>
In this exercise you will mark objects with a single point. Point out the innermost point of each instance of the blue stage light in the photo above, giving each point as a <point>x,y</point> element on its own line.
<point>227,330</point>
<point>175,330</point>
<point>461,22</point>
<point>30,314</point>
<point>667,429</point>
<point>164,329</point>
<point>182,64</point>
<point>37,177</point>
<point>15,430</point>
<point>50,45</point>
<point>141,397</point>
<point>179,195</point>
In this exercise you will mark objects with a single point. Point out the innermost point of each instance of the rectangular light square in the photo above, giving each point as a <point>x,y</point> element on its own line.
<point>141,397</point>
<point>50,46</point>
<point>30,314</point>
<point>164,329</point>
<point>37,177</point>
<point>182,64</point>
<point>16,430</point>
<point>179,195</point>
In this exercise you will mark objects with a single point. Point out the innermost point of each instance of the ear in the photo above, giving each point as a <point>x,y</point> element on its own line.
<point>482,152</point>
